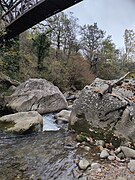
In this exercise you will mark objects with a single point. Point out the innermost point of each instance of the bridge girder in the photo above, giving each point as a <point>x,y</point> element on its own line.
<point>26,13</point>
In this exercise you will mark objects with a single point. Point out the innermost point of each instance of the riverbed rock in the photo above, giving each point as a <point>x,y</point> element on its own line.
<point>121,155</point>
<point>131,166</point>
<point>95,166</point>
<point>108,112</point>
<point>126,125</point>
<point>63,115</point>
<point>111,158</point>
<point>22,122</point>
<point>104,154</point>
<point>128,152</point>
<point>83,164</point>
<point>37,95</point>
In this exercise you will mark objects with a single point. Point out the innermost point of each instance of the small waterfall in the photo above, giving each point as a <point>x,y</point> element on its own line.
<point>49,123</point>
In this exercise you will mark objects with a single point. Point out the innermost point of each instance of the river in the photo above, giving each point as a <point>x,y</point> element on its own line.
<point>46,155</point>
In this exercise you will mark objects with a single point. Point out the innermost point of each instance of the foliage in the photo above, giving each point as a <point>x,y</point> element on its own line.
<point>9,53</point>
<point>91,39</point>
<point>41,44</point>
<point>63,34</point>
<point>56,51</point>
<point>129,38</point>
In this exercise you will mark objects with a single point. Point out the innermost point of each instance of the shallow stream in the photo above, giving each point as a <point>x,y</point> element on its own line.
<point>48,155</point>
<point>44,155</point>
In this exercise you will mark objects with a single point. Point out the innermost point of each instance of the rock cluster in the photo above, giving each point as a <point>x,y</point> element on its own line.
<point>28,101</point>
<point>122,154</point>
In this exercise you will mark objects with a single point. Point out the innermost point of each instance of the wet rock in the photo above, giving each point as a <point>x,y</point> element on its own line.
<point>128,152</point>
<point>104,154</point>
<point>63,116</point>
<point>38,95</point>
<point>111,158</point>
<point>83,164</point>
<point>22,122</point>
<point>95,166</point>
<point>131,166</point>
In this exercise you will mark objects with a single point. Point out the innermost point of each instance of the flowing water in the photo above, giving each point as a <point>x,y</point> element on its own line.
<point>47,155</point>
<point>44,155</point>
<point>49,123</point>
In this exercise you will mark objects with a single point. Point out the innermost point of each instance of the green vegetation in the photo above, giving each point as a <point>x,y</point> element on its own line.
<point>66,54</point>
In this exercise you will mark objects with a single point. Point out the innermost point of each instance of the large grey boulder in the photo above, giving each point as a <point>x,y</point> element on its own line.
<point>37,95</point>
<point>97,111</point>
<point>22,122</point>
<point>110,111</point>
<point>126,124</point>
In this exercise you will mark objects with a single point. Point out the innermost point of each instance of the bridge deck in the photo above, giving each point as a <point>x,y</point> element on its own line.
<point>42,10</point>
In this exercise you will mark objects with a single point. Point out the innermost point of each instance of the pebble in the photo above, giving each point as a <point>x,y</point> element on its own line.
<point>87,148</point>
<point>104,154</point>
<point>131,166</point>
<point>83,164</point>
<point>111,158</point>
<point>95,166</point>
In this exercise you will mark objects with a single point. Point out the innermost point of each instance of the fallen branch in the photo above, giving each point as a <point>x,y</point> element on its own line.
<point>108,89</point>
<point>121,79</point>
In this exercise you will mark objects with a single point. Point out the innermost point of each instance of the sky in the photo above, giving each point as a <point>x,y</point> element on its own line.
<point>112,16</point>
